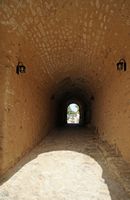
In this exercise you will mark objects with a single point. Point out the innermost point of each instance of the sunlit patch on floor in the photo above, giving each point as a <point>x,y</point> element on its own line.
<point>57,175</point>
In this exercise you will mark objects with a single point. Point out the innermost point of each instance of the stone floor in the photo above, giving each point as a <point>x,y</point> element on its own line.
<point>70,164</point>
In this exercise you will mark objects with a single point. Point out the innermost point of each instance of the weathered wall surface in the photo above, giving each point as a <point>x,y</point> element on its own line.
<point>2,89</point>
<point>25,119</point>
<point>23,104</point>
<point>111,112</point>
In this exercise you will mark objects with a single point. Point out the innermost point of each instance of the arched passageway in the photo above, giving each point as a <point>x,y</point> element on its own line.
<point>66,93</point>
<point>54,53</point>
<point>73,114</point>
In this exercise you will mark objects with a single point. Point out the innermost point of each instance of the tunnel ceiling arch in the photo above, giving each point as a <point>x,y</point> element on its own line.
<point>70,89</point>
<point>67,38</point>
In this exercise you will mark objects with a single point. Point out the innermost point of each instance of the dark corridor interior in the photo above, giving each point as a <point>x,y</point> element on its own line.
<point>66,94</point>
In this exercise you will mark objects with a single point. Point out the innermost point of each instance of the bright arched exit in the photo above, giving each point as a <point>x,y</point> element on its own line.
<point>73,114</point>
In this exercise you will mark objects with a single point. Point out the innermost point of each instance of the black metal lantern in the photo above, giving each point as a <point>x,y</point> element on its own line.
<point>20,68</point>
<point>121,65</point>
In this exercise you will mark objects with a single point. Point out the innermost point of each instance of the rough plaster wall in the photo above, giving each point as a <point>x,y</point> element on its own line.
<point>2,88</point>
<point>111,112</point>
<point>23,103</point>
<point>25,119</point>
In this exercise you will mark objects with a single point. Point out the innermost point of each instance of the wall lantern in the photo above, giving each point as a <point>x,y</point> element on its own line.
<point>121,65</point>
<point>20,68</point>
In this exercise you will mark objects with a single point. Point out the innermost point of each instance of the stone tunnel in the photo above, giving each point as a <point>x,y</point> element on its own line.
<point>73,51</point>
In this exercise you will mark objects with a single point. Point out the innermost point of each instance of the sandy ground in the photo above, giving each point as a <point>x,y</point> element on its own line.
<point>69,164</point>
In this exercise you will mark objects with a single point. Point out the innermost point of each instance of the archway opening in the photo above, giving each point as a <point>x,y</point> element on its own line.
<point>73,114</point>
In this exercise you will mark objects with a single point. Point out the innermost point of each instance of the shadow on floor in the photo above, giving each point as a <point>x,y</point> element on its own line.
<point>83,141</point>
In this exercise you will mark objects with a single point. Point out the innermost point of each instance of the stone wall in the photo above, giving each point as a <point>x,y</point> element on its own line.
<point>24,104</point>
<point>2,88</point>
<point>111,112</point>
<point>25,119</point>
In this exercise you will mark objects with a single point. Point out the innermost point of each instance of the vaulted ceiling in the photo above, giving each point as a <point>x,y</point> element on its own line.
<point>71,38</point>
